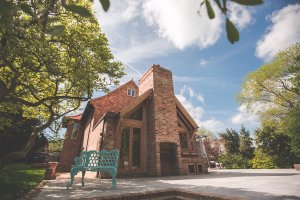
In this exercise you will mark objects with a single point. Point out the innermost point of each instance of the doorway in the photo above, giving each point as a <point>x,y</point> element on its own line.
<point>168,158</point>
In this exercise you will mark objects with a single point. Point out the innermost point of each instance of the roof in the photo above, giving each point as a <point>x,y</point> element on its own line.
<point>137,102</point>
<point>114,101</point>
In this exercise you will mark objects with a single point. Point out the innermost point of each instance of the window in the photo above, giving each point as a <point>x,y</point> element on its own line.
<point>75,131</point>
<point>191,169</point>
<point>200,169</point>
<point>130,92</point>
<point>183,140</point>
<point>124,151</point>
<point>136,148</point>
<point>137,115</point>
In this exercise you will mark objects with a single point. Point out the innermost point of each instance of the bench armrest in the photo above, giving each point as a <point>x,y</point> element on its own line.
<point>79,162</point>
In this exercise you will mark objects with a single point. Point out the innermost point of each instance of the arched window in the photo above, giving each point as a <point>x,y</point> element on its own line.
<point>183,141</point>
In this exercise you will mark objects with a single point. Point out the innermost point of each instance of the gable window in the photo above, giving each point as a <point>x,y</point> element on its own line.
<point>137,115</point>
<point>75,131</point>
<point>183,140</point>
<point>131,92</point>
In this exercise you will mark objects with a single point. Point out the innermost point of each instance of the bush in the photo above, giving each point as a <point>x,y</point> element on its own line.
<point>234,161</point>
<point>262,160</point>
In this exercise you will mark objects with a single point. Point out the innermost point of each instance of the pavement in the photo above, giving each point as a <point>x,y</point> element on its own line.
<point>264,184</point>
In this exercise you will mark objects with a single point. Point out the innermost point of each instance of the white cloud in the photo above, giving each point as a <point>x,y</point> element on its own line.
<point>179,22</point>
<point>196,112</point>
<point>239,15</point>
<point>139,30</point>
<point>203,62</point>
<point>244,117</point>
<point>185,96</point>
<point>284,31</point>
<point>213,125</point>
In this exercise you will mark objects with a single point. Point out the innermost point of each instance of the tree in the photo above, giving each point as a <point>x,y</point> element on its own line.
<point>273,92</point>
<point>213,148</point>
<point>231,141</point>
<point>291,127</point>
<point>275,144</point>
<point>262,160</point>
<point>15,132</point>
<point>239,149</point>
<point>48,68</point>
<point>246,147</point>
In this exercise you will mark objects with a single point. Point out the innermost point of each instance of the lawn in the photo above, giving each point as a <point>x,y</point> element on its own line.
<point>17,179</point>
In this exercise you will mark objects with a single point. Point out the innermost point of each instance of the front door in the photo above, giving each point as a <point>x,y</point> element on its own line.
<point>130,149</point>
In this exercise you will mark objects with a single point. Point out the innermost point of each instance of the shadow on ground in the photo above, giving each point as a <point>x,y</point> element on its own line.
<point>226,184</point>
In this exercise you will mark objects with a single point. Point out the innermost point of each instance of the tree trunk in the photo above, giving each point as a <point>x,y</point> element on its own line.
<point>18,155</point>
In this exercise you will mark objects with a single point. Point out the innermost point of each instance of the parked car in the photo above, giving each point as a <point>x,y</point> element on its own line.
<point>38,157</point>
<point>212,164</point>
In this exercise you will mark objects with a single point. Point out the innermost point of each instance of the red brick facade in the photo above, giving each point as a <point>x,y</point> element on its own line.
<point>108,122</point>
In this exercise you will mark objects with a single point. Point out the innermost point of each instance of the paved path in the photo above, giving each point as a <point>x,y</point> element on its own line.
<point>277,184</point>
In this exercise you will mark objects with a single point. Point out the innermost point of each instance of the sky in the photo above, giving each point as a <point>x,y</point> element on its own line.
<point>207,70</point>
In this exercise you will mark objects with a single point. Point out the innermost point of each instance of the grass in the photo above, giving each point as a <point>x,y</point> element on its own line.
<point>18,179</point>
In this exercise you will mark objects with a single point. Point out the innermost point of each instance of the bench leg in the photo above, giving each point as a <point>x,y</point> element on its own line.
<point>73,172</point>
<point>113,181</point>
<point>82,178</point>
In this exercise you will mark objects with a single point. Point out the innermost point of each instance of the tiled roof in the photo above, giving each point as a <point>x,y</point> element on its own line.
<point>114,101</point>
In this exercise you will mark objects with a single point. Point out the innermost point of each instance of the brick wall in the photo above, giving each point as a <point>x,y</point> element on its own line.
<point>164,117</point>
<point>71,148</point>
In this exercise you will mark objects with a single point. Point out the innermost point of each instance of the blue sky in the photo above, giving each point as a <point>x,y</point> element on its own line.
<point>207,69</point>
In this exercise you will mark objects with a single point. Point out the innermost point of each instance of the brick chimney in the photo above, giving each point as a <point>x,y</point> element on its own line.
<point>162,116</point>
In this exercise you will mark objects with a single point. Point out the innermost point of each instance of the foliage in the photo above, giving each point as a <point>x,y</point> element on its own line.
<point>274,85</point>
<point>15,133</point>
<point>55,144</point>
<point>239,148</point>
<point>231,141</point>
<point>234,161</point>
<point>73,6</point>
<point>246,147</point>
<point>292,129</point>
<point>18,179</point>
<point>275,144</point>
<point>273,92</point>
<point>213,148</point>
<point>262,160</point>
<point>47,71</point>
<point>232,32</point>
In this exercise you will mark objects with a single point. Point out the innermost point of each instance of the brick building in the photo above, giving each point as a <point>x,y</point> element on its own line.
<point>147,123</point>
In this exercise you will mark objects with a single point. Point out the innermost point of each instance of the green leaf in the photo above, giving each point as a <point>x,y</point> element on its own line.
<point>26,9</point>
<point>232,33</point>
<point>56,30</point>
<point>210,11</point>
<point>248,2</point>
<point>105,4</point>
<point>80,10</point>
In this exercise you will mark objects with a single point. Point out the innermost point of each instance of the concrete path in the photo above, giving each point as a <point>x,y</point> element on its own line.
<point>277,184</point>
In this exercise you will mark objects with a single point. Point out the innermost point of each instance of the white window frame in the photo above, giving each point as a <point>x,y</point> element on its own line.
<point>131,92</point>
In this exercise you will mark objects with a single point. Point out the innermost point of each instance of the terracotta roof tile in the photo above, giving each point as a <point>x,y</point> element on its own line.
<point>114,101</point>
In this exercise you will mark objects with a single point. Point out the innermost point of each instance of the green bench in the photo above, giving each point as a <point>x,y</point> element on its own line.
<point>102,161</point>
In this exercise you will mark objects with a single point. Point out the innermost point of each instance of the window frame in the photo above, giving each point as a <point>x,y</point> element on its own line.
<point>131,92</point>
<point>75,129</point>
